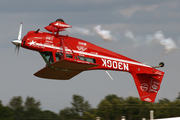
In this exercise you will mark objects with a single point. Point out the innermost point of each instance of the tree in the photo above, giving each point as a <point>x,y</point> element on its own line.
<point>5,113</point>
<point>46,114</point>
<point>32,108</point>
<point>31,103</point>
<point>68,113</point>
<point>105,109</point>
<point>89,116</point>
<point>117,105</point>
<point>178,98</point>
<point>79,105</point>
<point>111,97</point>
<point>16,105</point>
<point>132,107</point>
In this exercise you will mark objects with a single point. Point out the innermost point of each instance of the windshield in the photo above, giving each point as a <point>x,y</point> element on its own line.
<point>48,57</point>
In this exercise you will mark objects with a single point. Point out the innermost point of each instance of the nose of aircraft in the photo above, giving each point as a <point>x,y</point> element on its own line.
<point>17,42</point>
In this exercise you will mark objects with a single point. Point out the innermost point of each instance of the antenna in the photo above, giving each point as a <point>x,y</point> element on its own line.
<point>109,75</point>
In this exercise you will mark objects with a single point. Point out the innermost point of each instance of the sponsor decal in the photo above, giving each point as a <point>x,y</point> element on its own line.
<point>147,99</point>
<point>144,87</point>
<point>32,43</point>
<point>81,48</point>
<point>82,43</point>
<point>155,86</point>
<point>49,37</point>
<point>158,72</point>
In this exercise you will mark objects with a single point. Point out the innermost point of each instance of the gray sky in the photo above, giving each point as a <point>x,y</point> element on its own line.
<point>133,26</point>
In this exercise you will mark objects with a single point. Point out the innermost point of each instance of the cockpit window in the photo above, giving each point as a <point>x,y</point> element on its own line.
<point>87,59</point>
<point>59,56</point>
<point>48,57</point>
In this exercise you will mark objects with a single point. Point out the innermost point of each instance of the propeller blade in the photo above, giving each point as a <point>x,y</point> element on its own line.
<point>15,49</point>
<point>20,32</point>
<point>17,42</point>
<point>18,47</point>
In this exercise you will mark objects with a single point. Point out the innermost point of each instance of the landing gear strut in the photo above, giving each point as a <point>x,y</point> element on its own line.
<point>161,64</point>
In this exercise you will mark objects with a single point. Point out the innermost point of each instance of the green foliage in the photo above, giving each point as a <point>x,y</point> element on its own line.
<point>105,109</point>
<point>111,107</point>
<point>89,116</point>
<point>31,103</point>
<point>68,113</point>
<point>16,105</point>
<point>78,109</point>
<point>46,114</point>
<point>5,113</point>
<point>79,105</point>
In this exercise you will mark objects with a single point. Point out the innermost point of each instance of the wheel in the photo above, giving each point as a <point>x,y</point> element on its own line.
<point>161,64</point>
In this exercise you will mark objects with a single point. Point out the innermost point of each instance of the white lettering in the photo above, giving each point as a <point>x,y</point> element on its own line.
<point>119,66</point>
<point>109,63</point>
<point>104,62</point>
<point>115,64</point>
<point>81,43</point>
<point>126,67</point>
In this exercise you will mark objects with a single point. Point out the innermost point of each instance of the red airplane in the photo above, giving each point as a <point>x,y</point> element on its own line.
<point>66,56</point>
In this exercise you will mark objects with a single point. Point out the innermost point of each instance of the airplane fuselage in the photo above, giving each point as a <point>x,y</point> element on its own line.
<point>86,51</point>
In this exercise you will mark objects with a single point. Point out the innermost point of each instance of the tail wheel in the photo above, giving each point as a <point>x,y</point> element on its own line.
<point>161,64</point>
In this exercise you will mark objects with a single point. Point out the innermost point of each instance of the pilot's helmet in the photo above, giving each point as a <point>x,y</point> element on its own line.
<point>61,20</point>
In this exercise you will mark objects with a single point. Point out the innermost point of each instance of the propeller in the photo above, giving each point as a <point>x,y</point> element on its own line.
<point>18,41</point>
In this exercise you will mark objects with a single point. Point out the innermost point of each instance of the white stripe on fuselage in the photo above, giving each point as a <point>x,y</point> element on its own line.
<point>93,55</point>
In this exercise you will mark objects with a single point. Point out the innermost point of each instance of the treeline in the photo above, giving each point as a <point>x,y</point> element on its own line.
<point>111,107</point>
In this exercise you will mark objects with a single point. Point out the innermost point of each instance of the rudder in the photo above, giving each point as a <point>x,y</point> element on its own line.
<point>148,84</point>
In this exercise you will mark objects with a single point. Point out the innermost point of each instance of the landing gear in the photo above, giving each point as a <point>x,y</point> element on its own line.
<point>161,64</point>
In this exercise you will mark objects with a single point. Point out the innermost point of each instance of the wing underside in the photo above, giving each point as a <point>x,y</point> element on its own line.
<point>50,73</point>
<point>64,69</point>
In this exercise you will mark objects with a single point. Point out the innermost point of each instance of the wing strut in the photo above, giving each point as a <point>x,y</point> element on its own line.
<point>62,43</point>
<point>71,50</point>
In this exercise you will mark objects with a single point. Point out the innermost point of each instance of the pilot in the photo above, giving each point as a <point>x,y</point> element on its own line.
<point>61,20</point>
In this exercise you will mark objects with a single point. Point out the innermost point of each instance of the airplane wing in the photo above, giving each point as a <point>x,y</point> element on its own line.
<point>50,73</point>
<point>64,69</point>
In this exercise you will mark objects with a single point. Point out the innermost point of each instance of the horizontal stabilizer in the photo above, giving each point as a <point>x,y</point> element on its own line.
<point>148,84</point>
<point>51,28</point>
<point>60,25</point>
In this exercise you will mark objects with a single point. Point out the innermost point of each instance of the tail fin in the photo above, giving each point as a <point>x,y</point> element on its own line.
<point>148,84</point>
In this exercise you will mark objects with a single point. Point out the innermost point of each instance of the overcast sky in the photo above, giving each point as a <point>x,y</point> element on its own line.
<point>147,31</point>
